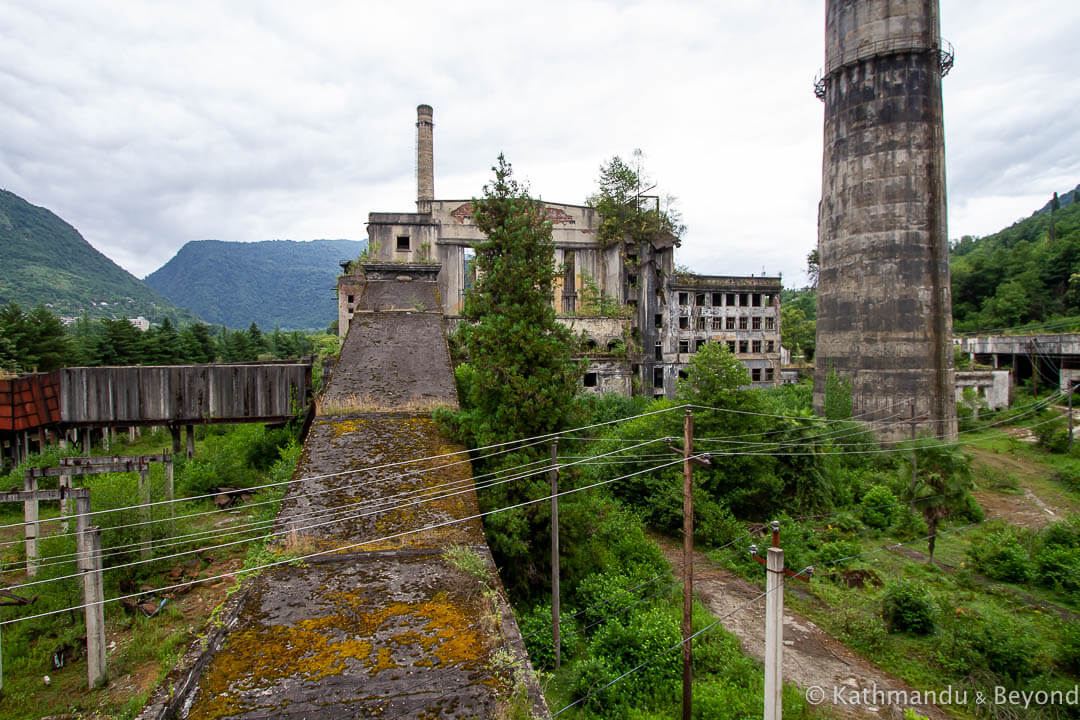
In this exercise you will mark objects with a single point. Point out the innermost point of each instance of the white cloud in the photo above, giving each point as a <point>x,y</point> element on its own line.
<point>147,125</point>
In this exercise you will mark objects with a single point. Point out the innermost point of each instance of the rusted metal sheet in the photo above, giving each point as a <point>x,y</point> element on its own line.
<point>29,401</point>
<point>183,393</point>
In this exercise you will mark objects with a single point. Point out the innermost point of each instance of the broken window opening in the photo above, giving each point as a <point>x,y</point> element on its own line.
<point>770,346</point>
<point>684,298</point>
<point>699,343</point>
<point>755,299</point>
<point>684,322</point>
<point>659,354</point>
<point>770,323</point>
<point>744,299</point>
<point>755,323</point>
<point>682,374</point>
<point>743,345</point>
<point>658,320</point>
<point>590,379</point>
<point>701,323</point>
<point>699,299</point>
<point>755,375</point>
<point>717,299</point>
<point>684,346</point>
<point>403,243</point>
<point>768,374</point>
<point>731,346</point>
<point>658,377</point>
<point>731,299</point>
<point>755,346</point>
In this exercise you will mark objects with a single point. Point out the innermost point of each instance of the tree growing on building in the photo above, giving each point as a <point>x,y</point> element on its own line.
<point>627,210</point>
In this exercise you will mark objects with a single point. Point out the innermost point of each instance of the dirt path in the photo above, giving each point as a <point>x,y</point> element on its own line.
<point>1028,508</point>
<point>813,659</point>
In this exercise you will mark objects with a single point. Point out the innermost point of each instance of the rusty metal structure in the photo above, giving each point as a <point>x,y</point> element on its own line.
<point>884,303</point>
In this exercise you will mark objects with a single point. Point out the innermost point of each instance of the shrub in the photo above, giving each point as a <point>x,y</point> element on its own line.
<point>832,552</point>
<point>908,524</point>
<point>907,607</point>
<point>536,629</point>
<point>642,635</point>
<point>1069,649</point>
<point>1058,567</point>
<point>878,507</point>
<point>1049,432</point>
<point>999,555</point>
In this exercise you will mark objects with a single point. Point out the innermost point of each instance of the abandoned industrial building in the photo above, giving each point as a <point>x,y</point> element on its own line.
<point>663,316</point>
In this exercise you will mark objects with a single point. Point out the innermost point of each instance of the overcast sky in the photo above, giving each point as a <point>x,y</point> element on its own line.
<point>149,124</point>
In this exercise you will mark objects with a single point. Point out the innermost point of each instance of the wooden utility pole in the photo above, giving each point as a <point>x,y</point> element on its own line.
<point>88,544</point>
<point>555,552</point>
<point>688,564</point>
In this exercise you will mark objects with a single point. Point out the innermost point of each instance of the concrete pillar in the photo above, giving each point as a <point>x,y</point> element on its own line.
<point>425,159</point>
<point>884,318</point>
<point>190,433</point>
<point>174,431</point>
<point>774,634</point>
<point>33,528</point>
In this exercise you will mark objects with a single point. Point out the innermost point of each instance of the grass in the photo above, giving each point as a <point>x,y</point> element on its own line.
<point>141,650</point>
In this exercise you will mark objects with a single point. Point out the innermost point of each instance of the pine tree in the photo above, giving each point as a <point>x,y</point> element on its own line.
<point>520,376</point>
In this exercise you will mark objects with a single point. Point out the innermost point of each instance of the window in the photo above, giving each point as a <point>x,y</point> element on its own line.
<point>590,379</point>
<point>682,375</point>
<point>699,343</point>
<point>755,323</point>
<point>731,346</point>
<point>699,299</point>
<point>743,345</point>
<point>658,377</point>
<point>403,243</point>
<point>744,299</point>
<point>770,323</point>
<point>717,323</point>
<point>730,323</point>
<point>717,299</point>
<point>756,298</point>
<point>768,374</point>
<point>684,322</point>
<point>755,375</point>
<point>766,299</point>
<point>658,320</point>
<point>684,346</point>
<point>755,346</point>
<point>684,298</point>
<point>731,299</point>
<point>350,299</point>
<point>770,347</point>
<point>742,322</point>
<point>700,323</point>
<point>659,351</point>
<point>632,259</point>
<point>631,280</point>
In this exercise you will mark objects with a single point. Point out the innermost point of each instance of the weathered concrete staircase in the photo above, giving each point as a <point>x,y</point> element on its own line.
<point>383,626</point>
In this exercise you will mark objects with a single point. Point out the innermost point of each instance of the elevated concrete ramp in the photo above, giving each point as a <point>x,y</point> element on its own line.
<point>383,626</point>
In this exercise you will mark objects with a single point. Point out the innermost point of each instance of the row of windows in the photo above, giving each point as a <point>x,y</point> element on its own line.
<point>722,323</point>
<point>719,299</point>
<point>740,346</point>
<point>756,375</point>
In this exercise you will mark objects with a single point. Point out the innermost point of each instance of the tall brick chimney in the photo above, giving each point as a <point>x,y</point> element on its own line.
<point>425,159</point>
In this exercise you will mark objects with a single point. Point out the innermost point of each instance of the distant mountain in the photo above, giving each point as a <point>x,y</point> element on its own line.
<point>275,282</point>
<point>1066,198</point>
<point>45,260</point>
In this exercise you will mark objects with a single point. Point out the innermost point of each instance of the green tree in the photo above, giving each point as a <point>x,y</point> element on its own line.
<point>36,341</point>
<point>119,343</point>
<point>837,396</point>
<point>521,375</point>
<point>163,345</point>
<point>198,344</point>
<point>942,484</point>
<point>625,211</point>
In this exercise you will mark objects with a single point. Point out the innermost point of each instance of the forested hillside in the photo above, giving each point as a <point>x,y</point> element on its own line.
<point>1022,274</point>
<point>273,283</point>
<point>45,260</point>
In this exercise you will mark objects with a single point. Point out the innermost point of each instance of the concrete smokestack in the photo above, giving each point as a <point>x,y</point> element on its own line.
<point>884,304</point>
<point>425,159</point>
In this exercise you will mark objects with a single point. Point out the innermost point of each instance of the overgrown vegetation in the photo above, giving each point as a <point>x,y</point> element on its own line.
<point>151,629</point>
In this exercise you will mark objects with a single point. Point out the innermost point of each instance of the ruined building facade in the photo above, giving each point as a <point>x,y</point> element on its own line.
<point>884,318</point>
<point>659,319</point>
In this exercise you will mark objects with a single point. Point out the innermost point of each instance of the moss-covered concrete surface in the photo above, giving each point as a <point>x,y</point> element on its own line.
<point>382,626</point>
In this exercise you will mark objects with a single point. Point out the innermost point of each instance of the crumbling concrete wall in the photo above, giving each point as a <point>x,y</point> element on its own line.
<point>884,316</point>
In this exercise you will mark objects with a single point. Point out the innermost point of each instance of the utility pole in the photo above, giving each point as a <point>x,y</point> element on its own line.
<point>688,563</point>
<point>1034,369</point>
<point>555,552</point>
